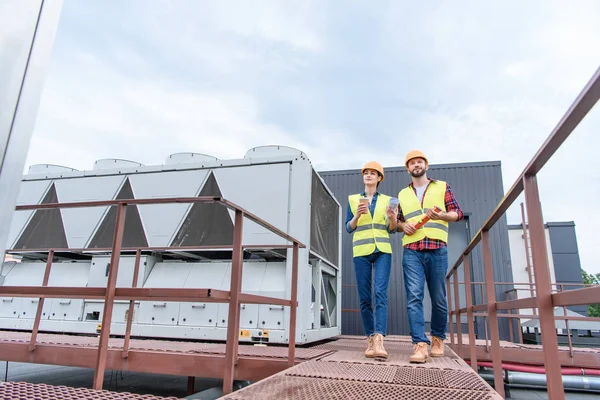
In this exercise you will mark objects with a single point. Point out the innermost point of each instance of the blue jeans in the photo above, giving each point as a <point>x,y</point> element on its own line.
<point>377,266</point>
<point>419,267</point>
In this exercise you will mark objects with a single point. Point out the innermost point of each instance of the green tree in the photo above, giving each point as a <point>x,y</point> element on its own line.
<point>592,279</point>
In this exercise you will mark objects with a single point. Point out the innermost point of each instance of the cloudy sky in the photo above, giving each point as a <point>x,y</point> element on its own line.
<point>344,81</point>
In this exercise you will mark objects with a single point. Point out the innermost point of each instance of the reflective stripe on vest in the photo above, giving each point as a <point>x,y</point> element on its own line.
<point>371,232</point>
<point>413,212</point>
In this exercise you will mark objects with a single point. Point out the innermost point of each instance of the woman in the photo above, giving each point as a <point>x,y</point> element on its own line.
<point>371,219</point>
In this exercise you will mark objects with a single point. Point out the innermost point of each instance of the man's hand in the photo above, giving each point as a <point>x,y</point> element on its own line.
<point>408,228</point>
<point>435,215</point>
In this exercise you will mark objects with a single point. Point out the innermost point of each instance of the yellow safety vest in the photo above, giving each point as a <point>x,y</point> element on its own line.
<point>413,212</point>
<point>370,233</point>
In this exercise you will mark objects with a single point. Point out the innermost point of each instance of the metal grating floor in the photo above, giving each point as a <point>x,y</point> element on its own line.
<point>347,374</point>
<point>22,391</point>
<point>336,369</point>
<point>284,387</point>
<point>174,346</point>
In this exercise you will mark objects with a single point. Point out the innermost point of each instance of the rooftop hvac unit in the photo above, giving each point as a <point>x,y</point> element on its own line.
<point>285,191</point>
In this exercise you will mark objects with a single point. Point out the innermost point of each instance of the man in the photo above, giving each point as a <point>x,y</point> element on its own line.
<point>371,220</point>
<point>425,257</point>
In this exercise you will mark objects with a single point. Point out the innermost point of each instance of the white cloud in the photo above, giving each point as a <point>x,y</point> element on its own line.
<point>342,82</point>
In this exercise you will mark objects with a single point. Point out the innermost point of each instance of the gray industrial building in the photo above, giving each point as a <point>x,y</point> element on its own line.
<point>478,188</point>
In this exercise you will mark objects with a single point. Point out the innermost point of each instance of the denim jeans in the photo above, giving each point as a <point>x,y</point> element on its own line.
<point>419,267</point>
<point>373,268</point>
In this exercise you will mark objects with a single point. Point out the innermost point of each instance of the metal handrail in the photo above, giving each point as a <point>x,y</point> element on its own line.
<point>543,298</point>
<point>111,293</point>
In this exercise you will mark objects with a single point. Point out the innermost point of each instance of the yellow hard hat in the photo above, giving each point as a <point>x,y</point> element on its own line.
<point>415,154</point>
<point>374,165</point>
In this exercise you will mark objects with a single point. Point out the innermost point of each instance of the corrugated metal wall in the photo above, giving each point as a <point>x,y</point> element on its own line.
<point>478,188</point>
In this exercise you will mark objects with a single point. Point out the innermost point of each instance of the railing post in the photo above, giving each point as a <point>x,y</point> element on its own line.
<point>109,299</point>
<point>136,271</point>
<point>520,331</point>
<point>458,319</point>
<point>492,313</point>
<point>233,325</point>
<point>541,271</point>
<point>485,328</point>
<point>293,308</point>
<point>470,321</point>
<point>527,256</point>
<point>40,307</point>
<point>450,311</point>
<point>510,321</point>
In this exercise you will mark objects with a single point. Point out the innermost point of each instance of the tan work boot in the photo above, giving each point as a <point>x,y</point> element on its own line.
<point>437,347</point>
<point>378,348</point>
<point>370,352</point>
<point>420,353</point>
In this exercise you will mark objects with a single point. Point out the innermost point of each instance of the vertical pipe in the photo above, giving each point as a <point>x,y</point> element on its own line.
<point>38,314</point>
<point>136,271</point>
<point>470,320</point>
<point>541,272</point>
<point>492,313</point>
<point>293,308</point>
<point>233,325</point>
<point>110,297</point>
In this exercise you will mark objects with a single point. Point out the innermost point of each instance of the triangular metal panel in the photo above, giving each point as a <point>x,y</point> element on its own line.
<point>262,190</point>
<point>206,224</point>
<point>30,192</point>
<point>45,229</point>
<point>133,235</point>
<point>161,221</point>
<point>80,223</point>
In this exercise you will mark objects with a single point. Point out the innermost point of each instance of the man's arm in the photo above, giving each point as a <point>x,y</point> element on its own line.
<point>404,226</point>
<point>453,212</point>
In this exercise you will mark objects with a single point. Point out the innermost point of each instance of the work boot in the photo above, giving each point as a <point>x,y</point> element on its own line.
<point>370,352</point>
<point>420,353</point>
<point>379,350</point>
<point>437,347</point>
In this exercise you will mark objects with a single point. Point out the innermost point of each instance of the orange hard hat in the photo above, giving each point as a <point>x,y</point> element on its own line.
<point>374,165</point>
<point>415,154</point>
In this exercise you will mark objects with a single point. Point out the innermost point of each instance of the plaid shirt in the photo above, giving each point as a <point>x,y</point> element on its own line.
<point>451,205</point>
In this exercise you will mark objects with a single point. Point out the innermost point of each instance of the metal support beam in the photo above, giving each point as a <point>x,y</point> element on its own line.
<point>110,297</point>
<point>293,307</point>
<point>233,325</point>
<point>136,272</point>
<point>470,317</point>
<point>40,307</point>
<point>492,313</point>
<point>541,271</point>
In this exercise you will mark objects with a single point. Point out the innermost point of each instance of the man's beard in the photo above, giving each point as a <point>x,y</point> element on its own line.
<point>418,174</point>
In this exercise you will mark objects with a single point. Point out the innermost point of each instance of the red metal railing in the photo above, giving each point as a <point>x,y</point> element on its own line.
<point>111,293</point>
<point>543,299</point>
